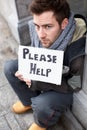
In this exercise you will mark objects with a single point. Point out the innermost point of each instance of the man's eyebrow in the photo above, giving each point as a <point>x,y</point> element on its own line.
<point>43,24</point>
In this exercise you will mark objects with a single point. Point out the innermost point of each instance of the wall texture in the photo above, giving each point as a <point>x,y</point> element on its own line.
<point>9,12</point>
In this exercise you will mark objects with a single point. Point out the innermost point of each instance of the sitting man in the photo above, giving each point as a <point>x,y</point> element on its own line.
<point>54,27</point>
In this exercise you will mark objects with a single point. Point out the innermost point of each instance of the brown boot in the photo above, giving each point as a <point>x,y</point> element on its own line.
<point>34,126</point>
<point>19,108</point>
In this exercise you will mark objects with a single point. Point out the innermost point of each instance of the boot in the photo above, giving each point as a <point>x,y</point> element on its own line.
<point>19,108</point>
<point>34,126</point>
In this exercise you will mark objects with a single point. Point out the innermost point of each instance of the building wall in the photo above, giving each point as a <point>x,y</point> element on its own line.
<point>9,12</point>
<point>79,6</point>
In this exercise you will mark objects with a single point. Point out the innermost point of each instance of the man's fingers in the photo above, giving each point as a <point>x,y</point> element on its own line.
<point>19,76</point>
<point>28,82</point>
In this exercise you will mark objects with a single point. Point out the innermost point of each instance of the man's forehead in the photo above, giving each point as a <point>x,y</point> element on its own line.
<point>45,18</point>
<point>46,14</point>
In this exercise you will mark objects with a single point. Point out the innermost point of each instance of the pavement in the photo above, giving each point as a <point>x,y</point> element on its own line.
<point>8,119</point>
<point>8,50</point>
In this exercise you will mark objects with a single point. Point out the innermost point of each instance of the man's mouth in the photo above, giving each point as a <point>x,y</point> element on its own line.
<point>44,41</point>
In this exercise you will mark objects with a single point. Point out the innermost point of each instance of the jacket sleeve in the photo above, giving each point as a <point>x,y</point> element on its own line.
<point>74,58</point>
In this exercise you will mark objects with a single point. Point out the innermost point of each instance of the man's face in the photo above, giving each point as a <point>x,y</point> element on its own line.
<point>47,28</point>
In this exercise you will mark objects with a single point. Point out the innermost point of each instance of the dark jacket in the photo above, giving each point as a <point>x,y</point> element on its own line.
<point>74,59</point>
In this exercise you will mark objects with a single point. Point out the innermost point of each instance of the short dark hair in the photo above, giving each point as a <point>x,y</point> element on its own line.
<point>60,8</point>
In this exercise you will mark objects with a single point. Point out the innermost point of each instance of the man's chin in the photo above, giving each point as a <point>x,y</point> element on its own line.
<point>45,45</point>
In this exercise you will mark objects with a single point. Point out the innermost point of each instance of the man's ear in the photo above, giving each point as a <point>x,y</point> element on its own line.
<point>64,23</point>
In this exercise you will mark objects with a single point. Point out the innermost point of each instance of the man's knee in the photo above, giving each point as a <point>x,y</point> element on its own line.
<point>41,109</point>
<point>44,114</point>
<point>9,66</point>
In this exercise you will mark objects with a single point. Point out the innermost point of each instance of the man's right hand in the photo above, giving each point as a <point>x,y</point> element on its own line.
<point>19,76</point>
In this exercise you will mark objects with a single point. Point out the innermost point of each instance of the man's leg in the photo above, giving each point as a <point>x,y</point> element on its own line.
<point>48,107</point>
<point>20,87</point>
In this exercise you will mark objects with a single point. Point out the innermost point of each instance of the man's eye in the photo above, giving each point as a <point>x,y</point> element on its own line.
<point>48,27</point>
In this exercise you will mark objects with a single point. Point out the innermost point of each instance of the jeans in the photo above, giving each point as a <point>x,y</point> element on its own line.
<point>47,106</point>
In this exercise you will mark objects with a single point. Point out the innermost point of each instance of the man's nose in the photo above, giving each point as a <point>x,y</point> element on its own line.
<point>42,33</point>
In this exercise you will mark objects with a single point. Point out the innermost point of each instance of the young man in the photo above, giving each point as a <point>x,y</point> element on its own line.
<point>53,27</point>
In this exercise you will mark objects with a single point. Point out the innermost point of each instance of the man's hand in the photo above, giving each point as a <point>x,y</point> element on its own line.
<point>28,82</point>
<point>20,77</point>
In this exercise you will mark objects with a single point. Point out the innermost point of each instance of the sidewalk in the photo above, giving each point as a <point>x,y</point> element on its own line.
<point>9,120</point>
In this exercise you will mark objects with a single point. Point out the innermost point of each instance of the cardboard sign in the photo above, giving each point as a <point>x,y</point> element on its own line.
<point>41,64</point>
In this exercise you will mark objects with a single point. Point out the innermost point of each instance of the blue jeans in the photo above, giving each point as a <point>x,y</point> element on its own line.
<point>47,106</point>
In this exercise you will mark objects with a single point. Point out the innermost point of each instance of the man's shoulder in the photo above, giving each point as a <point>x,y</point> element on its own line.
<point>81,27</point>
<point>31,25</point>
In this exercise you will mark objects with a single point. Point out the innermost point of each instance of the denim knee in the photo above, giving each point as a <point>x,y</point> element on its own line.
<point>10,67</point>
<point>44,115</point>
